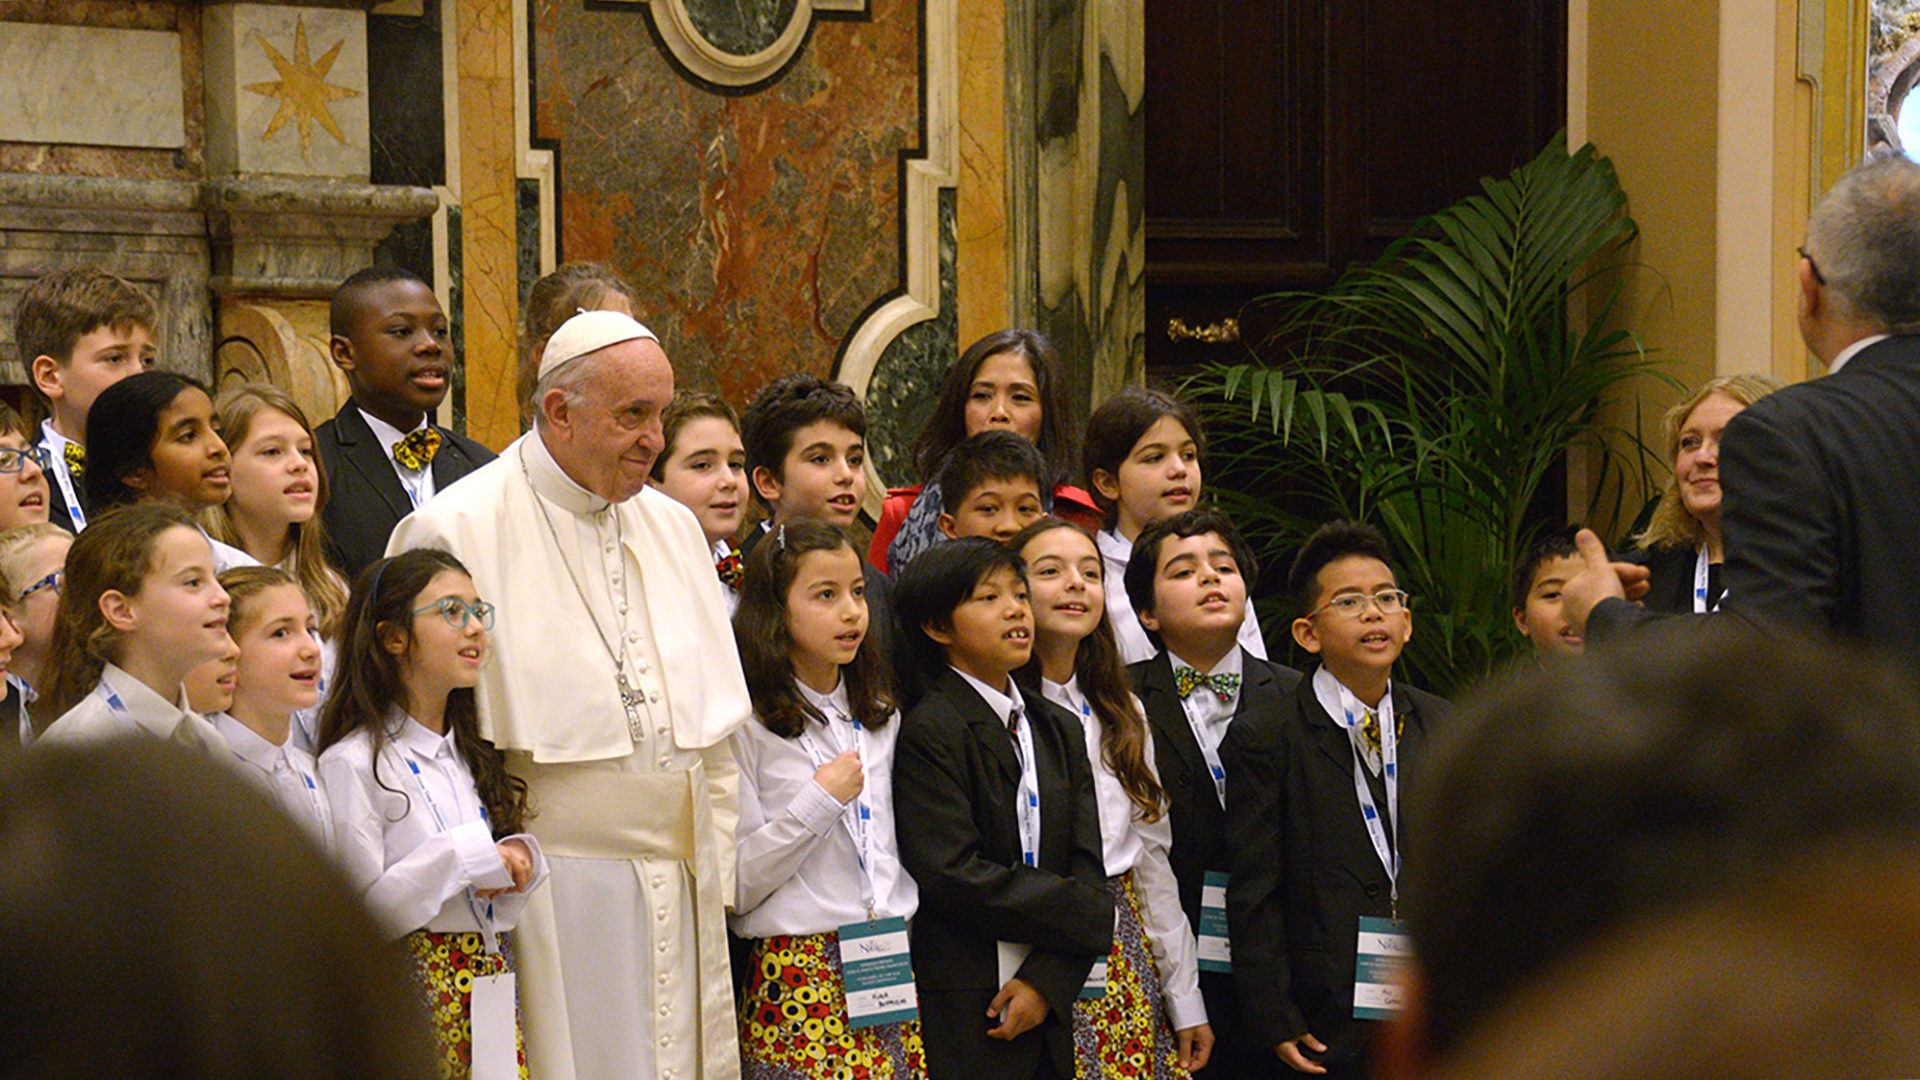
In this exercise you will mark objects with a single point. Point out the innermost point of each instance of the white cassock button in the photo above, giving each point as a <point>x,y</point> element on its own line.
<point>666,1040</point>
<point>662,980</point>
<point>634,639</point>
<point>665,1010</point>
<point>654,698</point>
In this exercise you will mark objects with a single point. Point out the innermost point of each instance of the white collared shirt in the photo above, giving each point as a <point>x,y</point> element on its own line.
<point>800,868</point>
<point>286,772</point>
<point>1008,706</point>
<point>26,698</point>
<point>1115,552</point>
<point>1853,350</point>
<point>1334,697</point>
<point>415,874</point>
<point>61,477</point>
<point>122,705</point>
<point>226,556</point>
<point>1206,713</point>
<point>722,549</point>
<point>1128,843</point>
<point>418,483</point>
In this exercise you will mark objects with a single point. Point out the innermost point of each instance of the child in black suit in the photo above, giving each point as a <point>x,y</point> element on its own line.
<point>1001,830</point>
<point>382,454</point>
<point>1313,813</point>
<point>1188,580</point>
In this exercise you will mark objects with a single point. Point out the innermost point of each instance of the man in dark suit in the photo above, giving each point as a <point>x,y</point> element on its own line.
<point>1823,479</point>
<point>382,453</point>
<point>1188,581</point>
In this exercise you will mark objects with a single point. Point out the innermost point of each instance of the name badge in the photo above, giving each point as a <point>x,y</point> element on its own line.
<point>1216,951</point>
<point>1096,984</point>
<point>495,1056</point>
<point>878,970</point>
<point>1384,952</point>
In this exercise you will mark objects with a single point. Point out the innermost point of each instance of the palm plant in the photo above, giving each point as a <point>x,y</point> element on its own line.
<point>1436,391</point>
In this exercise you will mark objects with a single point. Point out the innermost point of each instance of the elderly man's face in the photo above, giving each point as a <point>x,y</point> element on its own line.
<point>612,433</point>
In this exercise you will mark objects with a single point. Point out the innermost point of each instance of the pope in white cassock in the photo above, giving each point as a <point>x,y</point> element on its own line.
<point>612,686</point>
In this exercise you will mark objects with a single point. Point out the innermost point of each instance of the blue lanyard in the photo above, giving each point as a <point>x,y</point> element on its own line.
<point>488,934</point>
<point>1027,804</point>
<point>857,816</point>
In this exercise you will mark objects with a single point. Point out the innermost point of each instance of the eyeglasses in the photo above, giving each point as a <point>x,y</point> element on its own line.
<point>13,459</point>
<point>1818,277</point>
<point>51,581</point>
<point>457,611</point>
<point>1353,605</point>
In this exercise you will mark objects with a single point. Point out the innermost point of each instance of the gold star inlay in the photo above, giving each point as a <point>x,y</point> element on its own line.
<point>302,88</point>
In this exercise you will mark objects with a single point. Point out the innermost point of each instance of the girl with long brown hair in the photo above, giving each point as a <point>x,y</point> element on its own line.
<point>1152,997</point>
<point>817,846</point>
<point>139,609</point>
<point>426,818</point>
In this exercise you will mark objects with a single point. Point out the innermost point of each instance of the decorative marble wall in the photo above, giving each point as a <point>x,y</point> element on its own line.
<point>757,226</point>
<point>1088,124</point>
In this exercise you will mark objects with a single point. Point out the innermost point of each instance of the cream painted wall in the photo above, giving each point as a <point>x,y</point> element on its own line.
<point>1723,121</point>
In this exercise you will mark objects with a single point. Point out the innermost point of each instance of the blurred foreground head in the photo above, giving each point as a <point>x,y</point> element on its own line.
<point>1814,974</point>
<point>164,919</point>
<point>1580,803</point>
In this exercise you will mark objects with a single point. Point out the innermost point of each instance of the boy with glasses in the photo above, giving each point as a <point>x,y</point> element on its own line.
<point>34,557</point>
<point>1313,815</point>
<point>23,473</point>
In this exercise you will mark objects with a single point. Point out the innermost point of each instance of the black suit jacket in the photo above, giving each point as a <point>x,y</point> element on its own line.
<point>1200,829</point>
<point>364,497</point>
<point>1304,869</point>
<point>1193,808</point>
<point>955,782</point>
<point>1670,586</point>
<point>1821,512</point>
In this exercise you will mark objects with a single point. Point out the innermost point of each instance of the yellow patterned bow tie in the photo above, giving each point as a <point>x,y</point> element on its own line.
<point>76,456</point>
<point>416,451</point>
<point>1186,680</point>
<point>1370,730</point>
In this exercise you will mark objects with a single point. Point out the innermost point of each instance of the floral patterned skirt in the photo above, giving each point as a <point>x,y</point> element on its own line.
<point>793,1023</point>
<point>1125,1033</point>
<point>444,967</point>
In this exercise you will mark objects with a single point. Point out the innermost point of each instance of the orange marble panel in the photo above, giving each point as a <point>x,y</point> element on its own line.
<point>489,251</point>
<point>980,225</point>
<point>755,227</point>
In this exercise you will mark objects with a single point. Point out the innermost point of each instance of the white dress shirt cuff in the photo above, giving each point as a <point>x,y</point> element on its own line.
<point>479,859</point>
<point>815,809</point>
<point>1186,1010</point>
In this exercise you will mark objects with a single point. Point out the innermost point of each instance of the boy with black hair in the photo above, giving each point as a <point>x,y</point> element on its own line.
<point>383,454</point>
<point>990,486</point>
<point>79,331</point>
<point>1313,813</point>
<point>1535,595</point>
<point>806,444</point>
<point>1188,580</point>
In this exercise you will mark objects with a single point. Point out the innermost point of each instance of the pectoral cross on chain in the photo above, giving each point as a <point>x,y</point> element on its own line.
<point>631,700</point>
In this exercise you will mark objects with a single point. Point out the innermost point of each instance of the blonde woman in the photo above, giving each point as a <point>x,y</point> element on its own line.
<point>1681,545</point>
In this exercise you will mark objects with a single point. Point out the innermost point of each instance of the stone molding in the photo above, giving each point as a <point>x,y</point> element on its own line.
<point>264,253</point>
<point>708,61</point>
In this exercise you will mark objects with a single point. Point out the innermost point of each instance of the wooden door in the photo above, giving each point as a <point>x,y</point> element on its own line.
<point>1288,139</point>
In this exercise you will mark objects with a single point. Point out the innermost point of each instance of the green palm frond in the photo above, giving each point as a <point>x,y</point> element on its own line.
<point>1435,392</point>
